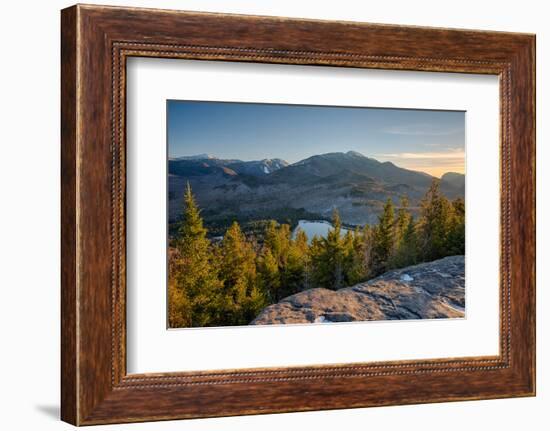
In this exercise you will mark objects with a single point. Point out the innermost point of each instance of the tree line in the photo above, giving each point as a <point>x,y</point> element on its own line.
<point>229,282</point>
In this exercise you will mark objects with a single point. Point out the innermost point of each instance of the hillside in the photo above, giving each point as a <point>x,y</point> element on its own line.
<point>357,185</point>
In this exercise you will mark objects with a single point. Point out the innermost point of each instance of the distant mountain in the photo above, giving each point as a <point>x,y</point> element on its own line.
<point>357,185</point>
<point>258,168</point>
<point>207,165</point>
<point>351,166</point>
<point>454,181</point>
<point>195,157</point>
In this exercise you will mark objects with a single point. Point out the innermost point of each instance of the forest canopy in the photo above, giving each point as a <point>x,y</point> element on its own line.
<point>229,282</point>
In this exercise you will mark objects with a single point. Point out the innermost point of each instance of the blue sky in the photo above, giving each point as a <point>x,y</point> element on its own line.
<point>423,140</point>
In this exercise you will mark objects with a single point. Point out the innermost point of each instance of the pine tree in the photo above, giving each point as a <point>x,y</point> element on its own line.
<point>405,244</point>
<point>384,240</point>
<point>357,246</point>
<point>456,238</point>
<point>242,298</point>
<point>335,251</point>
<point>319,263</point>
<point>302,244</point>
<point>179,308</point>
<point>406,253</point>
<point>270,278</point>
<point>277,238</point>
<point>195,285</point>
<point>301,241</point>
<point>327,257</point>
<point>291,257</point>
<point>253,304</point>
<point>368,236</point>
<point>436,212</point>
<point>402,221</point>
<point>294,276</point>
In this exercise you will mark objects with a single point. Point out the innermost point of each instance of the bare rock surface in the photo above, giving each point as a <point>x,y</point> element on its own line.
<point>426,291</point>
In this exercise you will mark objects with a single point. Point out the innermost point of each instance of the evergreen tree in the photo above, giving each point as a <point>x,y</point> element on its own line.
<point>368,235</point>
<point>179,308</point>
<point>436,212</point>
<point>405,242</point>
<point>302,245</point>
<point>277,238</point>
<point>327,257</point>
<point>196,286</point>
<point>356,267</point>
<point>402,221</point>
<point>406,253</point>
<point>384,240</point>
<point>253,304</point>
<point>242,299</point>
<point>270,278</point>
<point>294,274</point>
<point>335,251</point>
<point>291,257</point>
<point>318,259</point>
<point>301,242</point>
<point>456,239</point>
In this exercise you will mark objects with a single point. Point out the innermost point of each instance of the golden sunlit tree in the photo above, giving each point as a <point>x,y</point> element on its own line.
<point>196,287</point>
<point>269,276</point>
<point>328,256</point>
<point>242,297</point>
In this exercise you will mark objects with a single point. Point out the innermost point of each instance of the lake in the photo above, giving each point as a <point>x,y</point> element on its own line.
<point>315,227</point>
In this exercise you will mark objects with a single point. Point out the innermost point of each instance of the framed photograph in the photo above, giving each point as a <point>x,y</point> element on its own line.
<point>266,215</point>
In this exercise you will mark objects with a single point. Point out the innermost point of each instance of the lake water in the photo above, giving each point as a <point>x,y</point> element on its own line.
<point>315,227</point>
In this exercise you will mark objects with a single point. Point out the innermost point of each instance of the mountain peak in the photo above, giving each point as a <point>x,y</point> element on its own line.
<point>452,175</point>
<point>276,160</point>
<point>454,180</point>
<point>337,155</point>
<point>354,154</point>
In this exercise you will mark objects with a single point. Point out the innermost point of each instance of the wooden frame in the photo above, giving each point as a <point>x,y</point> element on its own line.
<point>96,41</point>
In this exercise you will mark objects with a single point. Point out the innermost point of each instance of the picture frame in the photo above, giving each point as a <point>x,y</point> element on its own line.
<point>96,42</point>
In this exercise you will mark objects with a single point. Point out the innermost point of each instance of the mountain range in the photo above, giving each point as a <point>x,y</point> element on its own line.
<point>355,184</point>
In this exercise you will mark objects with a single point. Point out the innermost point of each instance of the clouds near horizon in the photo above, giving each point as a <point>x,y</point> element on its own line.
<point>432,162</point>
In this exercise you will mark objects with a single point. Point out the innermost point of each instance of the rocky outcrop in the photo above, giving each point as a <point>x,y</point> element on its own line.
<point>430,290</point>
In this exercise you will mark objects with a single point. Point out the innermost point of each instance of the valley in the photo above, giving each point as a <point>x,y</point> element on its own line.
<point>253,192</point>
